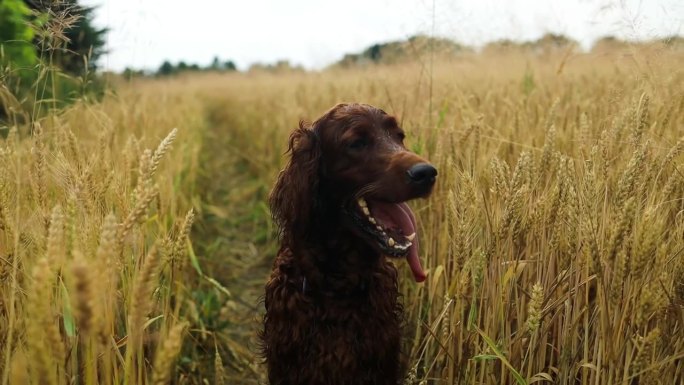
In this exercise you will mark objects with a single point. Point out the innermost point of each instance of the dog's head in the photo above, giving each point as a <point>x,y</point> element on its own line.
<point>352,164</point>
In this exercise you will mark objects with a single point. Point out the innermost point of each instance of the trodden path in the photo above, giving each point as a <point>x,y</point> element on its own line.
<point>234,245</point>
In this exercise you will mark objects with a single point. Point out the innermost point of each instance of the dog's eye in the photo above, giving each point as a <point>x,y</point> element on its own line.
<point>358,144</point>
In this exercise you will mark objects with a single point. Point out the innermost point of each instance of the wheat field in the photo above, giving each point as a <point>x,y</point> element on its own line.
<point>135,237</point>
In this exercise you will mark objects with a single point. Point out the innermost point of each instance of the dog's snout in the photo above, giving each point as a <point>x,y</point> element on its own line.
<point>422,174</point>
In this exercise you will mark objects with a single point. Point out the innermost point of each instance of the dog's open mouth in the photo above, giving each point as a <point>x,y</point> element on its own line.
<point>393,228</point>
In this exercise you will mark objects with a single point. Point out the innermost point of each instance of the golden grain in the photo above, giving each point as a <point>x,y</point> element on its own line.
<point>85,300</point>
<point>522,173</point>
<point>38,171</point>
<point>590,219</point>
<point>56,242</point>
<point>46,349</point>
<point>69,293</point>
<point>674,152</point>
<point>630,177</point>
<point>219,370</point>
<point>622,228</point>
<point>166,355</point>
<point>645,245</point>
<point>646,350</point>
<point>182,237</point>
<point>107,250</point>
<point>162,149</point>
<point>534,307</point>
<point>642,120</point>
<point>136,215</point>
<point>141,296</point>
<point>500,175</point>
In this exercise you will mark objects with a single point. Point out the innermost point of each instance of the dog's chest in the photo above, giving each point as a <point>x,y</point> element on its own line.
<point>356,338</point>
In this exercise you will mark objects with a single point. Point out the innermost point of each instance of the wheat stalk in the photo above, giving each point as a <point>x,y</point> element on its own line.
<point>141,296</point>
<point>145,198</point>
<point>41,326</point>
<point>534,307</point>
<point>162,149</point>
<point>86,303</point>
<point>166,355</point>
<point>629,180</point>
<point>219,370</point>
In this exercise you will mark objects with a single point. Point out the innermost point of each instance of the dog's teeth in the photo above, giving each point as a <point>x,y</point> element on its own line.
<point>371,220</point>
<point>411,237</point>
<point>366,211</point>
<point>379,229</point>
<point>390,242</point>
<point>362,202</point>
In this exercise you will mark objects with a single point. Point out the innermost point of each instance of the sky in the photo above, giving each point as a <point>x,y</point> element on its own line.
<point>315,33</point>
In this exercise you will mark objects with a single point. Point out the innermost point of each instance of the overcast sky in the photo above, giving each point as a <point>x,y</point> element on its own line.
<point>315,33</point>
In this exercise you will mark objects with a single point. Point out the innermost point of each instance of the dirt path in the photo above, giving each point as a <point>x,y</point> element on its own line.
<point>234,245</point>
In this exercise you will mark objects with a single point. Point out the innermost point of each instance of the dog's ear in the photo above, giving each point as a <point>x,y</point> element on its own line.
<point>295,192</point>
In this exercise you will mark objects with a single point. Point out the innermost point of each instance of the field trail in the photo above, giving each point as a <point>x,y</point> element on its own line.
<point>235,243</point>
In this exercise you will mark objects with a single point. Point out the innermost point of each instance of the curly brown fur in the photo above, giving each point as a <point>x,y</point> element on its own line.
<point>332,310</point>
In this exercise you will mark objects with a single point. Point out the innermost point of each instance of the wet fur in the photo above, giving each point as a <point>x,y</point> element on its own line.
<point>333,314</point>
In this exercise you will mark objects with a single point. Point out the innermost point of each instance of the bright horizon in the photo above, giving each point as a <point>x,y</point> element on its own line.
<point>144,33</point>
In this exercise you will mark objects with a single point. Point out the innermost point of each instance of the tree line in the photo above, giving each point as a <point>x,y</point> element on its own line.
<point>217,65</point>
<point>167,68</point>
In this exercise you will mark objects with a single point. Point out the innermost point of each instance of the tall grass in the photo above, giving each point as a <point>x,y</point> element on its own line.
<point>555,237</point>
<point>93,240</point>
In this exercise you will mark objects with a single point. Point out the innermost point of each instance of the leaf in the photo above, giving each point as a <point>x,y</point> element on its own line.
<point>67,312</point>
<point>151,321</point>
<point>434,281</point>
<point>193,259</point>
<point>485,357</point>
<point>518,378</point>
<point>472,314</point>
<point>510,271</point>
<point>589,365</point>
<point>217,285</point>
<point>540,377</point>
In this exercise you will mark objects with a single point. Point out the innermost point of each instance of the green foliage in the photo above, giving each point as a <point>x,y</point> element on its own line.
<point>16,35</point>
<point>47,53</point>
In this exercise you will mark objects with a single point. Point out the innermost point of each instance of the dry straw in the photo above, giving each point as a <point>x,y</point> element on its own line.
<point>141,296</point>
<point>589,220</point>
<point>167,354</point>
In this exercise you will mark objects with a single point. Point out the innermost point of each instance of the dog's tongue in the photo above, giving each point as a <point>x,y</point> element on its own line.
<point>399,215</point>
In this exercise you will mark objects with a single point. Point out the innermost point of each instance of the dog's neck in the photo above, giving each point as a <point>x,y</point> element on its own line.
<point>332,259</point>
<point>327,253</point>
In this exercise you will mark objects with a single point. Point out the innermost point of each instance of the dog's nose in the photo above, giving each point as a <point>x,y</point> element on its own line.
<point>422,174</point>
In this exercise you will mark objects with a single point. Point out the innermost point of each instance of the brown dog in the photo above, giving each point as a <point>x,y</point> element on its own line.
<point>332,310</point>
